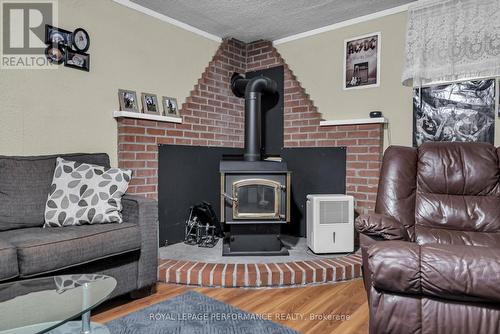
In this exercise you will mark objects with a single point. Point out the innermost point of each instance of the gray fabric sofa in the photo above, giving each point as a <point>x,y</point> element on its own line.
<point>127,251</point>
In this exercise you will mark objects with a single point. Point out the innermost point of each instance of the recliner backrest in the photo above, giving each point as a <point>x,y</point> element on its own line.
<point>457,190</point>
<point>442,192</point>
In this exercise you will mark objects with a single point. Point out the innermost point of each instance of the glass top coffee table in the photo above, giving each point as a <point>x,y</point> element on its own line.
<point>45,305</point>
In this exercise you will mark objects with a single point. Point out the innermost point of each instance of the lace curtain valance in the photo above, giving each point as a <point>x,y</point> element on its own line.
<point>450,40</point>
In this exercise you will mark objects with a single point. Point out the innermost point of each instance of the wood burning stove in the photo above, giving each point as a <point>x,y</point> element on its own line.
<point>255,202</point>
<point>255,193</point>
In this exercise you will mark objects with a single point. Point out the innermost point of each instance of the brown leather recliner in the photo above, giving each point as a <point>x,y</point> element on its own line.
<point>431,250</point>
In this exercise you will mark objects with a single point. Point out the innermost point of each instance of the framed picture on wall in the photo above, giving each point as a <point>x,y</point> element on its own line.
<point>55,53</point>
<point>128,100</point>
<point>362,61</point>
<point>461,111</point>
<point>81,40</point>
<point>78,60</point>
<point>54,35</point>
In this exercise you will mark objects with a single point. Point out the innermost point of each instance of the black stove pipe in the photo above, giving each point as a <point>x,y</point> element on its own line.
<point>252,90</point>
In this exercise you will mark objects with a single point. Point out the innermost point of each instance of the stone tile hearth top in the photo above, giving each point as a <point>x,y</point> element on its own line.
<point>296,246</point>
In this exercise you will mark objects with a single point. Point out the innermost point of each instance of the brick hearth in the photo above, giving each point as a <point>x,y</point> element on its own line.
<point>212,116</point>
<point>260,274</point>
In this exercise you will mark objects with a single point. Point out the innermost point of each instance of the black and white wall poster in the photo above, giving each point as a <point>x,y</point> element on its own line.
<point>461,111</point>
<point>362,61</point>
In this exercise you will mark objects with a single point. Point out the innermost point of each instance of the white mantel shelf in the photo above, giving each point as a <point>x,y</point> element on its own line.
<point>151,117</point>
<point>355,121</point>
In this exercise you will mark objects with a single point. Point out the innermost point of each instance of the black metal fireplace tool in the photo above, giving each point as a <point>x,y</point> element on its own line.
<point>202,226</point>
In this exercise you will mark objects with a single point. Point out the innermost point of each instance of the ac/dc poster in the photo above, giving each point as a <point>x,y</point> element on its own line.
<point>462,111</point>
<point>362,61</point>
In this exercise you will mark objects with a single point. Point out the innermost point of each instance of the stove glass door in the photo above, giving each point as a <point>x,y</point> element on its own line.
<point>256,199</point>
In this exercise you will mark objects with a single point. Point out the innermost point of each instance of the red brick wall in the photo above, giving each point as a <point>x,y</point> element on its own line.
<point>213,116</point>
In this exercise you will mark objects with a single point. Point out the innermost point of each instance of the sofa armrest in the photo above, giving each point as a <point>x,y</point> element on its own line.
<point>455,272</point>
<point>144,212</point>
<point>381,226</point>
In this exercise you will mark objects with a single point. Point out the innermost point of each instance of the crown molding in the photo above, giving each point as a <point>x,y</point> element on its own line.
<point>165,18</point>
<point>343,24</point>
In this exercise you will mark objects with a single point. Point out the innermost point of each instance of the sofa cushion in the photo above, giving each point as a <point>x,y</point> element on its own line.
<point>454,272</point>
<point>43,250</point>
<point>8,263</point>
<point>25,184</point>
<point>85,194</point>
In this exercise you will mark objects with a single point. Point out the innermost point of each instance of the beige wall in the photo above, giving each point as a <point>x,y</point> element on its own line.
<point>66,110</point>
<point>318,63</point>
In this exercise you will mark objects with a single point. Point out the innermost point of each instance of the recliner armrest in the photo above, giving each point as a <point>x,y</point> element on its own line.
<point>455,272</point>
<point>381,226</point>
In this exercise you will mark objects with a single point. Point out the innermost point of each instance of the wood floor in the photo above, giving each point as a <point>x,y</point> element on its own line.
<point>292,307</point>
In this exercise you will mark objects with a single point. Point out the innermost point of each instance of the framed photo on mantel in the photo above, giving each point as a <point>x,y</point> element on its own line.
<point>362,61</point>
<point>170,107</point>
<point>128,100</point>
<point>150,104</point>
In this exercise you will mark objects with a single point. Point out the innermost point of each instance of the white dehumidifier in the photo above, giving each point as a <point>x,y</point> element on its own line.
<point>330,223</point>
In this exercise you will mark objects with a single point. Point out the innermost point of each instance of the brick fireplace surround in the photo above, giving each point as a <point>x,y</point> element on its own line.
<point>213,116</point>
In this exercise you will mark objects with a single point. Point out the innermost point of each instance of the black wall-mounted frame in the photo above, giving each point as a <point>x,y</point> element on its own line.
<point>61,48</point>
<point>87,38</point>
<point>66,34</point>
<point>74,57</point>
<point>84,67</point>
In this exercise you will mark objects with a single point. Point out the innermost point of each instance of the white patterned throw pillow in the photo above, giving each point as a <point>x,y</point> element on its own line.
<point>85,194</point>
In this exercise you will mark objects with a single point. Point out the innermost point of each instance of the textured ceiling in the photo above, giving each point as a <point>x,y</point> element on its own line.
<point>249,20</point>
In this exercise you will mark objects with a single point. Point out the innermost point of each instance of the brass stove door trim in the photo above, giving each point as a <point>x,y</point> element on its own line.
<point>288,194</point>
<point>222,201</point>
<point>252,182</point>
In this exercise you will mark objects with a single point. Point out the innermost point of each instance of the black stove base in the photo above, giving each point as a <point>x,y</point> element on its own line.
<point>227,251</point>
<point>259,240</point>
